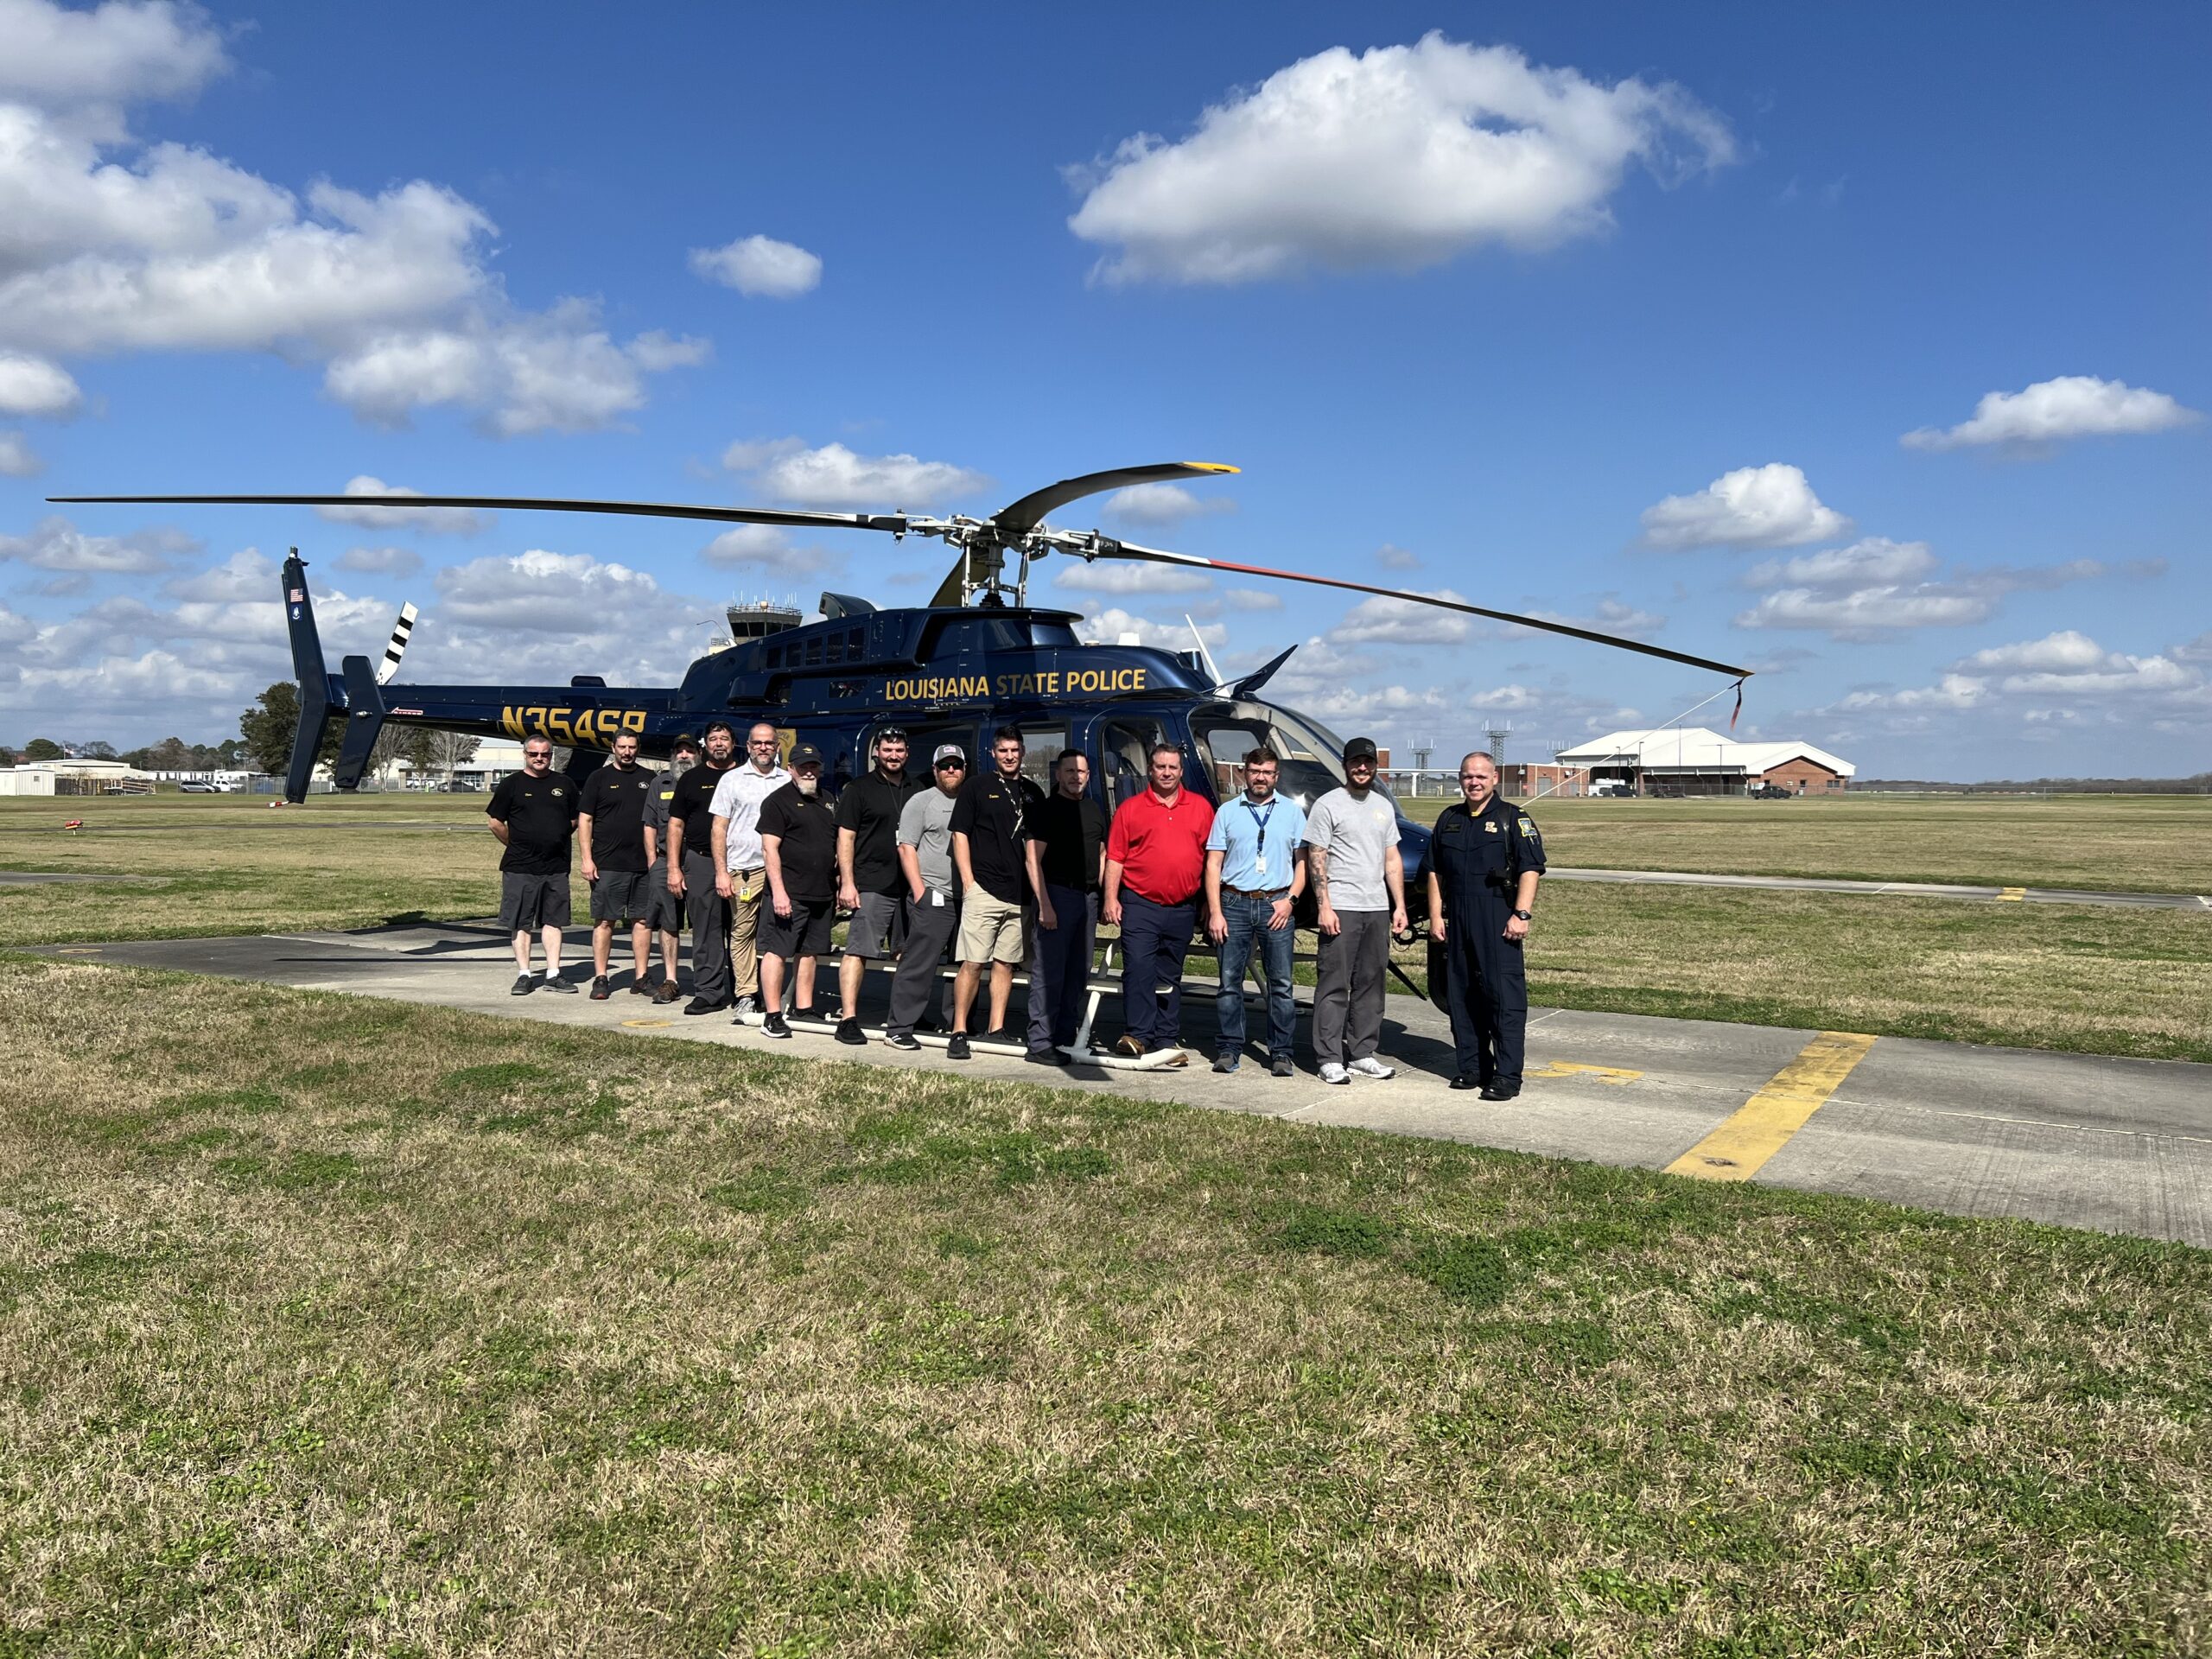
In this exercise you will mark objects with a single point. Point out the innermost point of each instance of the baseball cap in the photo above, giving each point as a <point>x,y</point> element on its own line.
<point>686,741</point>
<point>804,755</point>
<point>1360,748</point>
<point>948,752</point>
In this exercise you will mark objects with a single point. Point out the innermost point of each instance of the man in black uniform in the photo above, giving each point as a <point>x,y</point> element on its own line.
<point>664,913</point>
<point>1485,857</point>
<point>533,813</point>
<point>611,817</point>
<point>798,839</point>
<point>1067,855</point>
<point>869,882</point>
<point>691,871</point>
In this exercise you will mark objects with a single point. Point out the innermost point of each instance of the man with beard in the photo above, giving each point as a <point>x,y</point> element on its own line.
<point>798,839</point>
<point>611,820</point>
<point>692,873</point>
<point>1359,884</point>
<point>932,892</point>
<point>1253,876</point>
<point>869,881</point>
<point>991,833</point>
<point>740,871</point>
<point>665,913</point>
<point>1068,866</point>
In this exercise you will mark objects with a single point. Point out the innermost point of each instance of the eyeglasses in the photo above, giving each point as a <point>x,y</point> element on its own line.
<point>538,755</point>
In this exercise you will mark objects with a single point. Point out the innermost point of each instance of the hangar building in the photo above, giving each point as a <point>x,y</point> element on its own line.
<point>1691,760</point>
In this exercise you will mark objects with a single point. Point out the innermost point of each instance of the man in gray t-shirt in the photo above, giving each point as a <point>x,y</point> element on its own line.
<point>932,893</point>
<point>1359,882</point>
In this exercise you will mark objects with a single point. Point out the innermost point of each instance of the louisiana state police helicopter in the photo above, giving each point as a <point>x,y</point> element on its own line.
<point>976,658</point>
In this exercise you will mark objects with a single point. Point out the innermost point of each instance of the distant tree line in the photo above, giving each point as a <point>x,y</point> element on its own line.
<point>2200,783</point>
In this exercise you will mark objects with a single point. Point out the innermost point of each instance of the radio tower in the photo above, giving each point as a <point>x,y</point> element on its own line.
<point>1499,730</point>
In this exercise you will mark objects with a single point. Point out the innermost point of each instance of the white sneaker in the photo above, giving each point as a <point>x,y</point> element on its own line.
<point>745,1005</point>
<point>1332,1073</point>
<point>1371,1067</point>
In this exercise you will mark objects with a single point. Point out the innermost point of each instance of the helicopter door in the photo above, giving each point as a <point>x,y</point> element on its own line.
<point>1042,740</point>
<point>1123,758</point>
<point>922,740</point>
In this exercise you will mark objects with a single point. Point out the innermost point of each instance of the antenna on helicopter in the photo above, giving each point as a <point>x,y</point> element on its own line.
<point>1205,657</point>
<point>396,647</point>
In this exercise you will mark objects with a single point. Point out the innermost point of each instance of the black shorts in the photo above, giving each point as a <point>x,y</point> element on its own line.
<point>530,902</point>
<point>620,896</point>
<point>663,911</point>
<point>878,930</point>
<point>807,932</point>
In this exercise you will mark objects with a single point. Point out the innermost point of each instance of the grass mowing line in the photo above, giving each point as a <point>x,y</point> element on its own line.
<point>1739,1146</point>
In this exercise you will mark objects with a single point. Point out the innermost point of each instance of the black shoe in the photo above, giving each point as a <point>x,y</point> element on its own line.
<point>555,982</point>
<point>1282,1068</point>
<point>601,990</point>
<point>956,1046</point>
<point>1225,1063</point>
<point>1464,1081</point>
<point>776,1025</point>
<point>524,986</point>
<point>641,988</point>
<point>1500,1090</point>
<point>849,1032</point>
<point>809,1013</point>
<point>667,991</point>
<point>1045,1057</point>
<point>702,1005</point>
<point>899,1039</point>
<point>1000,1035</point>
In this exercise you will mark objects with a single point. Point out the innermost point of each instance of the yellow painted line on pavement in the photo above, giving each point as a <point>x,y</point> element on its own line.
<point>649,1025</point>
<point>1763,1125</point>
<point>2016,895</point>
<point>1612,1074</point>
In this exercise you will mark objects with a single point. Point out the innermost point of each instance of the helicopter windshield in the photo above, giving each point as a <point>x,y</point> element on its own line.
<point>1306,753</point>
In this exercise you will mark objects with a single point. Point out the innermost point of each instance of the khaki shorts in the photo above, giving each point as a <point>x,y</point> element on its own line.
<point>990,929</point>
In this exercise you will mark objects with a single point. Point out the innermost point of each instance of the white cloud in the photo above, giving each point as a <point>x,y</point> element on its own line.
<point>1162,505</point>
<point>1398,157</point>
<point>765,547</point>
<point>833,476</point>
<point>2065,652</point>
<point>108,246</point>
<point>1858,613</point>
<point>16,459</point>
<point>1611,616</point>
<point>1870,587</point>
<point>1401,622</point>
<point>2064,679</point>
<point>656,350</point>
<point>2071,406</point>
<point>1390,556</point>
<point>540,592</point>
<point>1107,627</point>
<point>55,543</point>
<point>1251,599</point>
<point>447,521</point>
<point>759,267</point>
<point>1771,505</point>
<point>1875,559</point>
<point>381,561</point>
<point>31,386</point>
<point>1128,576</point>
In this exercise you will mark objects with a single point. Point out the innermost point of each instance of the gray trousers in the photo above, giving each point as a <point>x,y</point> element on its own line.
<point>710,914</point>
<point>928,928</point>
<point>1348,975</point>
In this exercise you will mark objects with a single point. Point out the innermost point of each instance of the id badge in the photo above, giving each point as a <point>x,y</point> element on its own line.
<point>751,889</point>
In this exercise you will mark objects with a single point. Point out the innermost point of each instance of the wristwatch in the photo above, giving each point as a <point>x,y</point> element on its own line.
<point>1526,915</point>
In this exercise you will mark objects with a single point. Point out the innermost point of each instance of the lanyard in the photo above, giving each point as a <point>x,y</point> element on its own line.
<point>1260,819</point>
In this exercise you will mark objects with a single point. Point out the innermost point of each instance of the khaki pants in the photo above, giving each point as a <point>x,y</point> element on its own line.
<point>745,931</point>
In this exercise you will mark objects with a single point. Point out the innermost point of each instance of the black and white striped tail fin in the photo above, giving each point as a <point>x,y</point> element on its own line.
<point>396,647</point>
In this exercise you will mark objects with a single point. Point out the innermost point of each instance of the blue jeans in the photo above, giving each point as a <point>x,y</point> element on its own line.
<point>1248,931</point>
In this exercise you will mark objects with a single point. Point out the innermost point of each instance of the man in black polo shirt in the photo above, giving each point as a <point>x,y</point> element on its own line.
<point>989,833</point>
<point>869,881</point>
<point>665,913</point>
<point>533,813</point>
<point>798,839</point>
<point>691,870</point>
<point>1067,852</point>
<point>611,817</point>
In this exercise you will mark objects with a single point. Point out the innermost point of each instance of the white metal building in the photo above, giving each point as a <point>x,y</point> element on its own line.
<point>1692,760</point>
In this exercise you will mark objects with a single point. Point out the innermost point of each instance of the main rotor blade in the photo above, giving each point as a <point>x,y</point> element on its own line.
<point>897,523</point>
<point>1027,513</point>
<point>1161,556</point>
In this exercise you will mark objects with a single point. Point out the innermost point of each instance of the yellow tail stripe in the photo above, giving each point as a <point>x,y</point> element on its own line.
<point>1763,1125</point>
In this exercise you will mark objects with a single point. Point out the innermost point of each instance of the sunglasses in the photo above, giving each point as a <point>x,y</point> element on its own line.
<point>953,765</point>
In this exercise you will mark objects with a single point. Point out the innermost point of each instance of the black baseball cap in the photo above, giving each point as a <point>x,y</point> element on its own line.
<point>804,754</point>
<point>1360,748</point>
<point>686,741</point>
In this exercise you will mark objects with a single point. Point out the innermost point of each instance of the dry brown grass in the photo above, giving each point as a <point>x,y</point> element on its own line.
<point>442,1334</point>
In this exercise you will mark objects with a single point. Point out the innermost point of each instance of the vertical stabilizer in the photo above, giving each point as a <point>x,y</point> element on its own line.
<point>313,679</point>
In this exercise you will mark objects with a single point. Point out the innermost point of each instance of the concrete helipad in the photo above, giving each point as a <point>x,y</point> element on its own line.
<point>2087,1141</point>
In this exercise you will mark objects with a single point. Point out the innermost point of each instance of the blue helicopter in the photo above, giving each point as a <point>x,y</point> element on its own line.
<point>976,658</point>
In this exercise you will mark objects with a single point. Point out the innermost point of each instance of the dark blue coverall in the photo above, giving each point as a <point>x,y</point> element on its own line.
<point>1478,859</point>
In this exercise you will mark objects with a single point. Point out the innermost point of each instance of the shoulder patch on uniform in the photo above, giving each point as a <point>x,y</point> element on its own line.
<point>1527,828</point>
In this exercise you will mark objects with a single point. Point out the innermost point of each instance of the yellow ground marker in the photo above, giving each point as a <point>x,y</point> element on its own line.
<point>2014,896</point>
<point>1762,1126</point>
<point>1612,1074</point>
<point>649,1025</point>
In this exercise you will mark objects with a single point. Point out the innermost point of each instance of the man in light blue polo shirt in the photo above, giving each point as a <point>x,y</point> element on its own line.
<point>1253,876</point>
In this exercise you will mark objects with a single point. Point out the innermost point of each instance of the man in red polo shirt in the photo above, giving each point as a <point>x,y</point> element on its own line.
<point>1155,863</point>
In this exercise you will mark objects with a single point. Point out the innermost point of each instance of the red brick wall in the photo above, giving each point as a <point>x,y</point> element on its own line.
<point>1804,777</point>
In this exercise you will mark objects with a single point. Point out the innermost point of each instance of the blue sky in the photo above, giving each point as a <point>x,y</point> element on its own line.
<point>1867,347</point>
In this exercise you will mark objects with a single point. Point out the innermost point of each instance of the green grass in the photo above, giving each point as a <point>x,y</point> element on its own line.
<point>2112,843</point>
<point>329,1324</point>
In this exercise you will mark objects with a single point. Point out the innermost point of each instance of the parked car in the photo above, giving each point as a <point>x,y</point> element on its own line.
<point>461,786</point>
<point>199,788</point>
<point>1773,792</point>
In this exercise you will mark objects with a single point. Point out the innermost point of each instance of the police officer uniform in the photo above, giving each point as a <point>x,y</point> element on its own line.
<point>1478,858</point>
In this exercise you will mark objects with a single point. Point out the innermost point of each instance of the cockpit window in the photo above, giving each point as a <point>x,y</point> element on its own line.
<point>1307,754</point>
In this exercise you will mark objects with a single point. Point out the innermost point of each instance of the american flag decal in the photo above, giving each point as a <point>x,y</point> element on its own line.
<point>296,595</point>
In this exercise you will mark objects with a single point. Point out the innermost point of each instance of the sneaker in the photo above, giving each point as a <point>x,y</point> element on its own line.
<point>702,1005</point>
<point>899,1039</point>
<point>601,990</point>
<point>745,1007</point>
<point>956,1046</point>
<point>849,1032</point>
<point>775,1026</point>
<point>666,992</point>
<point>1225,1063</point>
<point>1333,1072</point>
<point>1281,1068</point>
<point>1129,1049</point>
<point>1370,1067</point>
<point>1045,1056</point>
<point>1003,1034</point>
<point>641,988</point>
<point>555,982</point>
<point>524,986</point>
